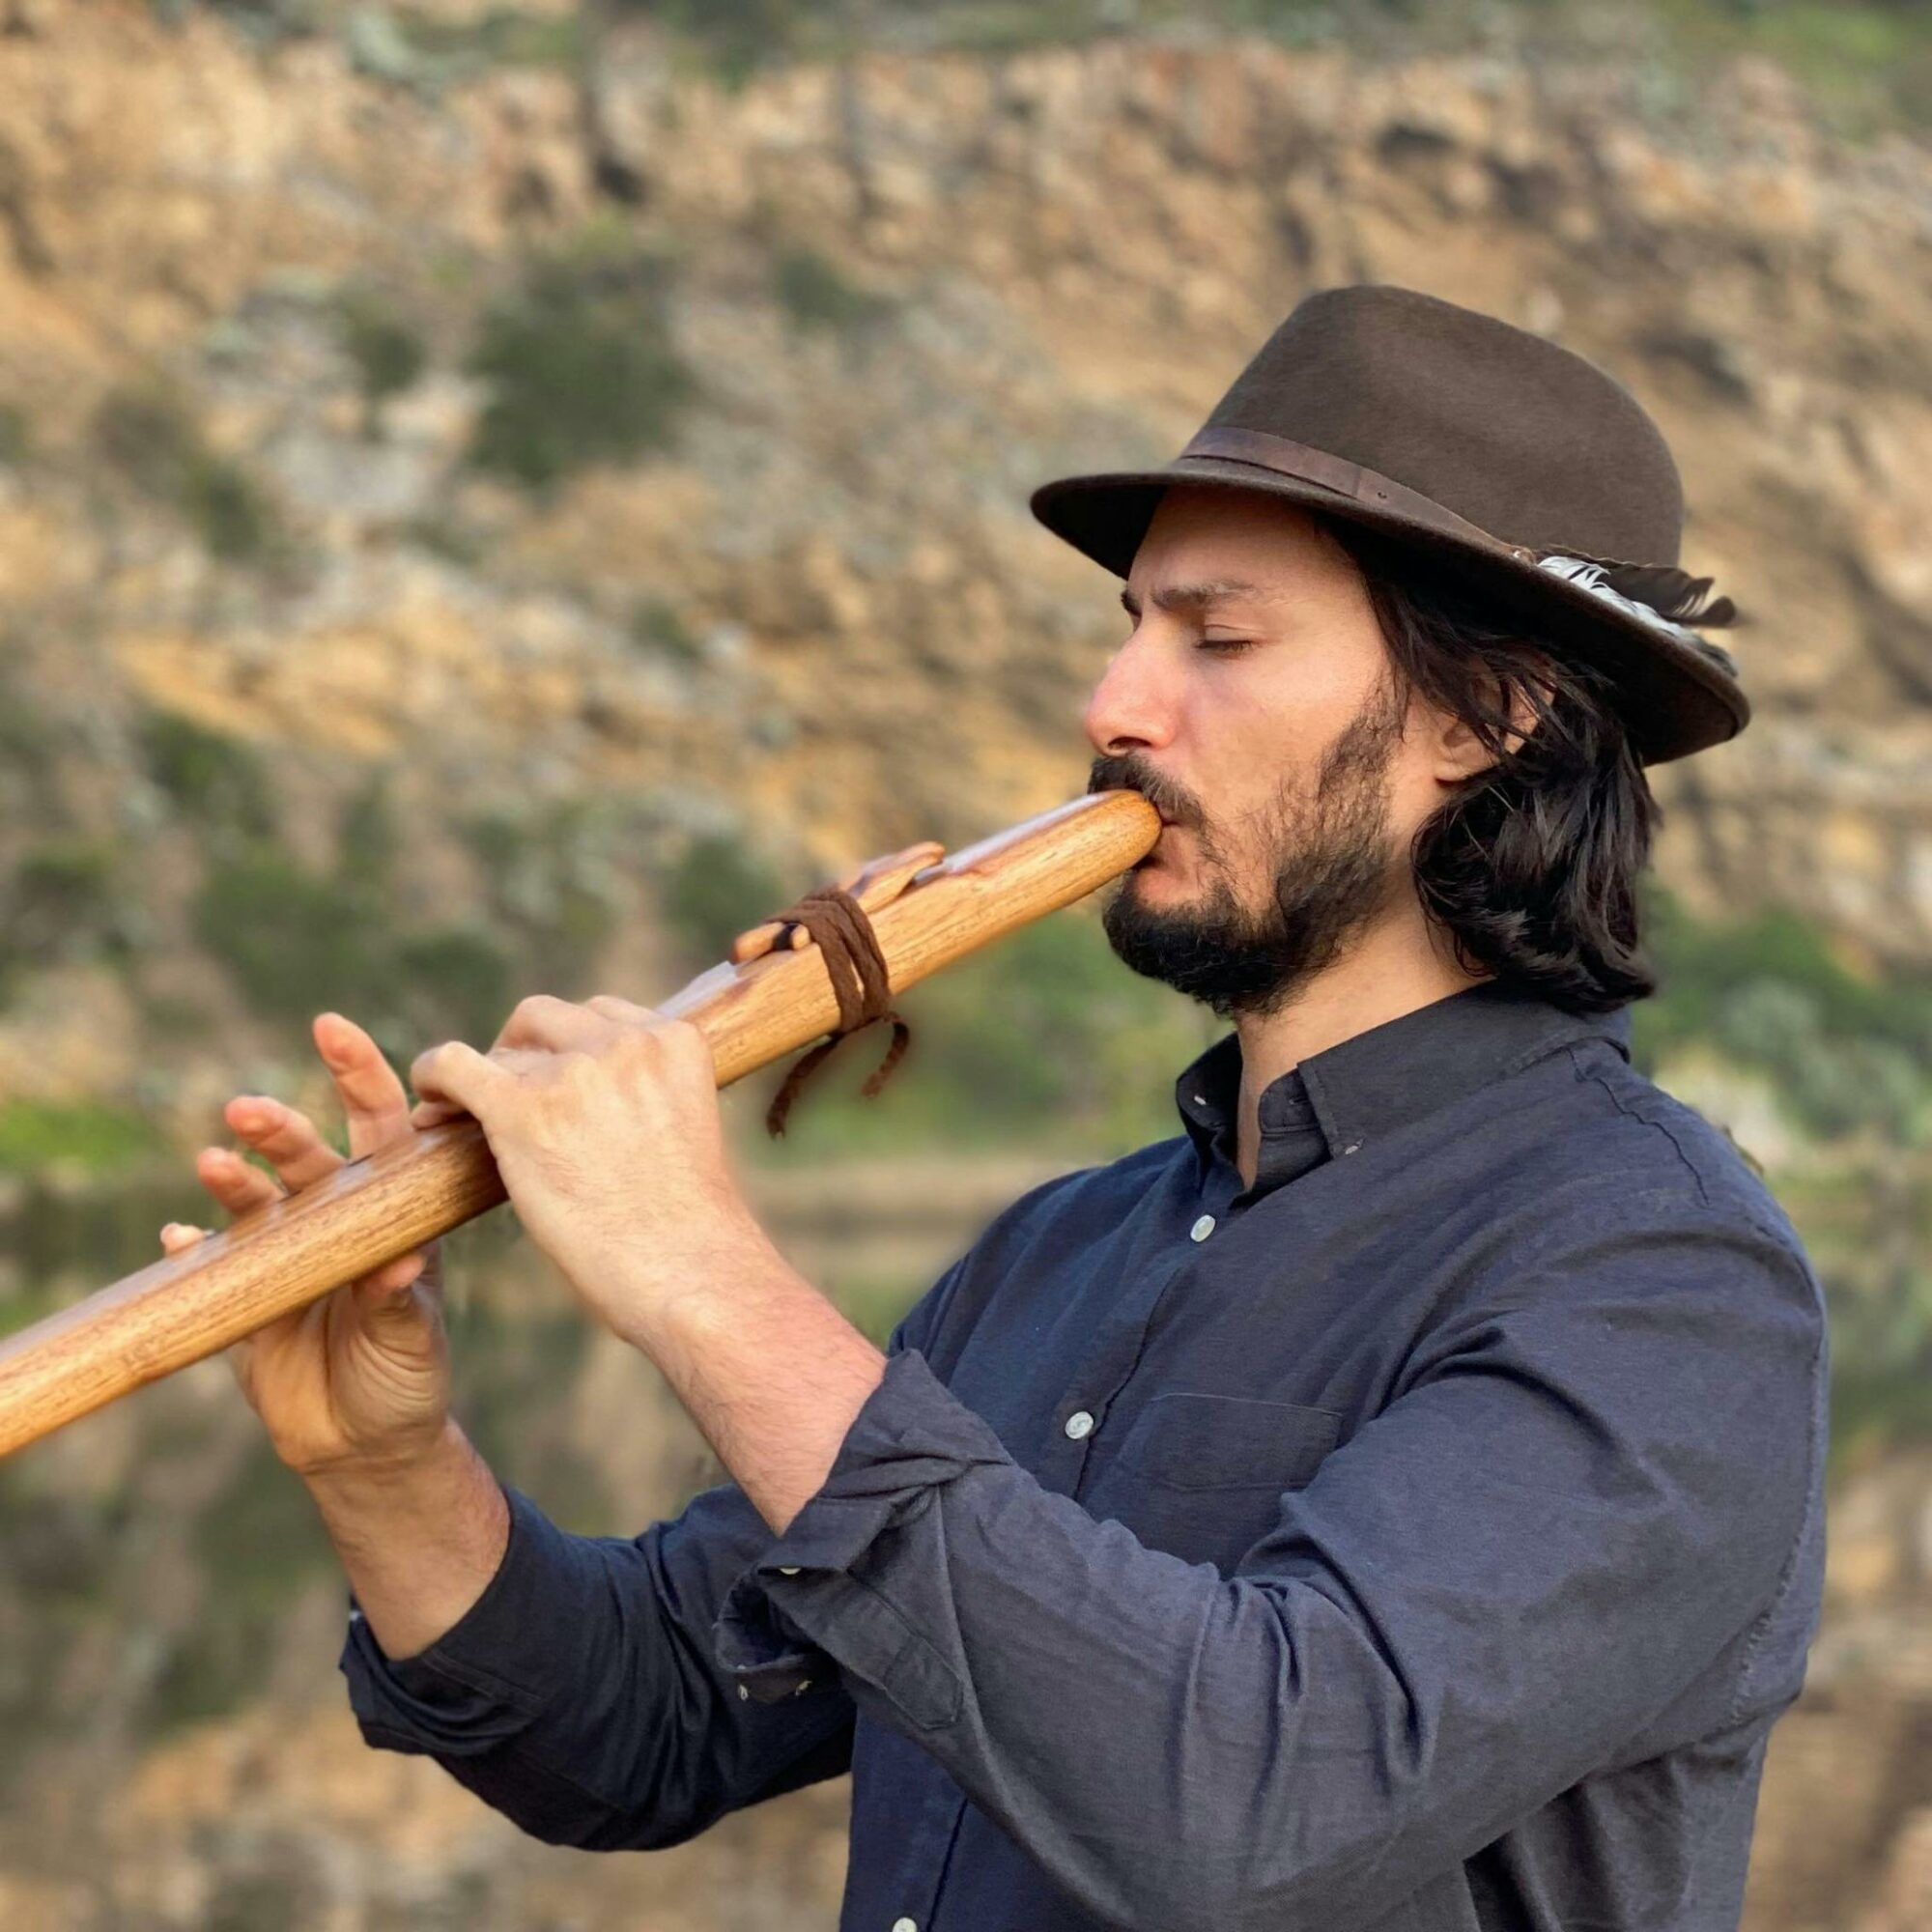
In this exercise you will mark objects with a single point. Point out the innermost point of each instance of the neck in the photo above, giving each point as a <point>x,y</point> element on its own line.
<point>1397,966</point>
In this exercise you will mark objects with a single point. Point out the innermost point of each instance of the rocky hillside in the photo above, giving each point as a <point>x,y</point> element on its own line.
<point>524,479</point>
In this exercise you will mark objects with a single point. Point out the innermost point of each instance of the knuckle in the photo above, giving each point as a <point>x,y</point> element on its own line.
<point>684,1044</point>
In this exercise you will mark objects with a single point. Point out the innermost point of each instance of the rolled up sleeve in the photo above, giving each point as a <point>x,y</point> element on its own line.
<point>1590,1482</point>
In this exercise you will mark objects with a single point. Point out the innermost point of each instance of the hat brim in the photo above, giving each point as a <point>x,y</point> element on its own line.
<point>1673,701</point>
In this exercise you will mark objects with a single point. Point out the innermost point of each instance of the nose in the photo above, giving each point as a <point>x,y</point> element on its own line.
<point>1131,708</point>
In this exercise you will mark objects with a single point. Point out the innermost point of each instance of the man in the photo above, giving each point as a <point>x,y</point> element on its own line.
<point>1393,1502</point>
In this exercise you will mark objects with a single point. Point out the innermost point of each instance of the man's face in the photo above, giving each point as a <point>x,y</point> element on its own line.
<point>1252,704</point>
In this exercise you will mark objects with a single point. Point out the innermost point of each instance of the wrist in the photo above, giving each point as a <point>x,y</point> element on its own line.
<point>649,1299</point>
<point>384,1470</point>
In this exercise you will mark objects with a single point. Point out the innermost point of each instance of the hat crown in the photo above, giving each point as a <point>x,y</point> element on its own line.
<point>1524,438</point>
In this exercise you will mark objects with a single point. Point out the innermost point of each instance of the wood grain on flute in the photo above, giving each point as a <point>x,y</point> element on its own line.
<point>371,1210</point>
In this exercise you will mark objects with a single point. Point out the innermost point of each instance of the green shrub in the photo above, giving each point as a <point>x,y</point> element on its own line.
<point>717,888</point>
<point>214,780</point>
<point>738,37</point>
<point>459,984</point>
<point>369,839</point>
<point>655,626</point>
<point>16,439</point>
<point>1843,1052</point>
<point>298,943</point>
<point>35,1134</point>
<point>552,886</point>
<point>149,436</point>
<point>257,1548</point>
<point>61,904</point>
<point>388,352</point>
<point>580,368</point>
<point>504,37</point>
<point>446,537</point>
<point>817,296</point>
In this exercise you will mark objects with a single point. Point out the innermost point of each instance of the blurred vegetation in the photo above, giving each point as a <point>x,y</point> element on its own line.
<point>97,1139</point>
<point>817,296</point>
<point>555,887</point>
<point>1844,1054</point>
<point>148,435</point>
<point>579,363</point>
<point>17,436</point>
<point>655,626</point>
<point>62,904</point>
<point>389,352</point>
<point>256,1549</point>
<point>1867,63</point>
<point>212,779</point>
<point>717,888</point>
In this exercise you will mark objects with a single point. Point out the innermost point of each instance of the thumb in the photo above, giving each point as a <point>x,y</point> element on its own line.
<point>388,1303</point>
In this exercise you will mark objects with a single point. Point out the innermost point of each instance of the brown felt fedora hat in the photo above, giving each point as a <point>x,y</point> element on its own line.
<point>1538,474</point>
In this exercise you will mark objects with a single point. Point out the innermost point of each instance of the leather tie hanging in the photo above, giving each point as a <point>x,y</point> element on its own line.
<point>838,925</point>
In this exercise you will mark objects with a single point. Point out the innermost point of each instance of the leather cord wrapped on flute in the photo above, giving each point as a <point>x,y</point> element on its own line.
<point>838,925</point>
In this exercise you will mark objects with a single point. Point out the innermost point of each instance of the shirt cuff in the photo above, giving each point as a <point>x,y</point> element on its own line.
<point>818,1598</point>
<point>477,1684</point>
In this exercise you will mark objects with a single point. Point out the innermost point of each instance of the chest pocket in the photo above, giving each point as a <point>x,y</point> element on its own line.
<point>1198,1475</point>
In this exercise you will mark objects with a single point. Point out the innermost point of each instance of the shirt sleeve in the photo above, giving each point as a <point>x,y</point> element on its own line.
<point>1589,1483</point>
<point>581,1694</point>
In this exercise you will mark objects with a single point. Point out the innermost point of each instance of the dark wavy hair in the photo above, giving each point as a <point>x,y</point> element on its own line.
<point>1531,866</point>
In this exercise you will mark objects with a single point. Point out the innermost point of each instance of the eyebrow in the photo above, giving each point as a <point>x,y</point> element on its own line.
<point>1193,596</point>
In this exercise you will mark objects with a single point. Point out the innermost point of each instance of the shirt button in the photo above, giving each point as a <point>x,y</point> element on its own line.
<point>1079,1424</point>
<point>905,1926</point>
<point>788,1569</point>
<point>1203,1228</point>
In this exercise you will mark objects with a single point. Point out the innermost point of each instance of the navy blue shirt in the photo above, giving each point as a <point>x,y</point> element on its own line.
<point>1424,1537</point>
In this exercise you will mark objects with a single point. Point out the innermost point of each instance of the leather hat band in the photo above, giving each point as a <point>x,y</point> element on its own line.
<point>1283,457</point>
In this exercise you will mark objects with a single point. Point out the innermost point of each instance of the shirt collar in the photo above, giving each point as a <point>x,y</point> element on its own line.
<point>1376,1081</point>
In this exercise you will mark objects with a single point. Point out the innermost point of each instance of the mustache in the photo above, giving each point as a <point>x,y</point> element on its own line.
<point>1129,770</point>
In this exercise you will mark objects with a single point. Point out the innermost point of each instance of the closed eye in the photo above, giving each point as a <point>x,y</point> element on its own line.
<point>1227,647</point>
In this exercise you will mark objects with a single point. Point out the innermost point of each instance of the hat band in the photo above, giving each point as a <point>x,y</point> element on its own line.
<point>1637,589</point>
<point>1285,457</point>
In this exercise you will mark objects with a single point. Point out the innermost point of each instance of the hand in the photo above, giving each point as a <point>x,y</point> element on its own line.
<point>603,1122</point>
<point>359,1378</point>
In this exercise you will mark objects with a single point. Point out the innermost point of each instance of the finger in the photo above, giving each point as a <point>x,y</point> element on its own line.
<point>455,1072</point>
<point>284,1137</point>
<point>392,1277</point>
<point>552,1025</point>
<point>373,1100</point>
<point>236,1184</point>
<point>178,1237</point>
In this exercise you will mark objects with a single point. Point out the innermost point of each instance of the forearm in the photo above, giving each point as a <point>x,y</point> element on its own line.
<point>420,1543</point>
<point>767,1367</point>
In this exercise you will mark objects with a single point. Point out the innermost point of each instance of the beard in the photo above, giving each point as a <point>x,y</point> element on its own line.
<point>1333,874</point>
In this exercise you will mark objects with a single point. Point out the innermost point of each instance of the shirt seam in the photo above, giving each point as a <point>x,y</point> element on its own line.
<point>1616,1099</point>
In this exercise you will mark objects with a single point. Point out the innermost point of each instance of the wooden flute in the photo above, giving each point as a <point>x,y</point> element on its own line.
<point>765,1001</point>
